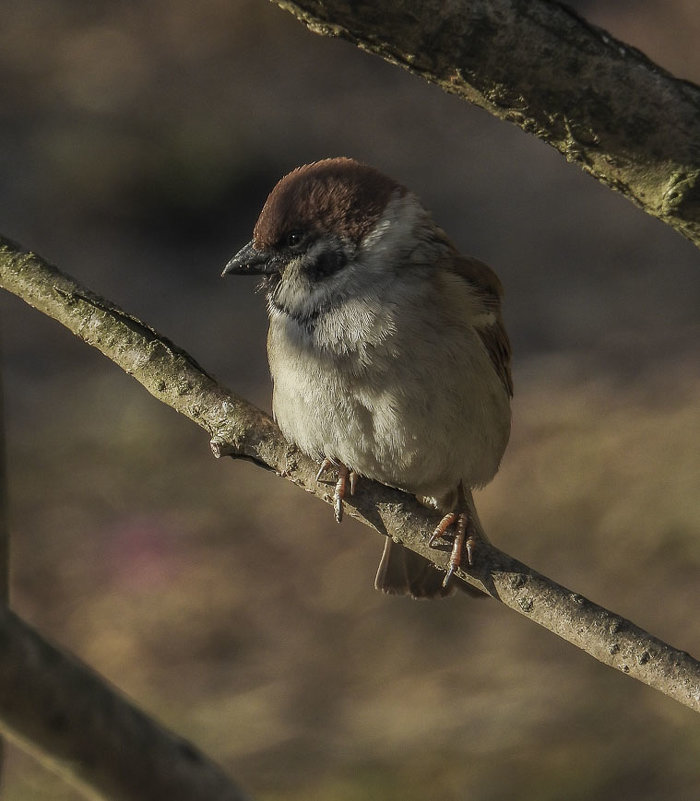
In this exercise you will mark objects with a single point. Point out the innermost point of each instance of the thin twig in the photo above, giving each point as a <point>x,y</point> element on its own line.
<point>239,429</point>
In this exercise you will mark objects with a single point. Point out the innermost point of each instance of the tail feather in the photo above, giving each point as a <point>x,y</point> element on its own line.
<point>403,572</point>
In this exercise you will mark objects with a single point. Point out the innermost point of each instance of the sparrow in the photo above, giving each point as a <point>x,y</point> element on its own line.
<point>387,350</point>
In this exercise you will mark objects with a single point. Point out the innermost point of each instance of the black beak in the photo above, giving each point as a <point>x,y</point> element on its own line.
<point>249,261</point>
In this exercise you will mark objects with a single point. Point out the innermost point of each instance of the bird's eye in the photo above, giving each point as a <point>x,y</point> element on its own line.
<point>294,238</point>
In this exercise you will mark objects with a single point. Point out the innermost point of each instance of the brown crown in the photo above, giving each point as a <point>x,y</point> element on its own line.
<point>337,195</point>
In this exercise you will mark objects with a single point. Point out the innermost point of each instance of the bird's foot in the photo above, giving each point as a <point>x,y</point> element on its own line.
<point>345,477</point>
<point>464,540</point>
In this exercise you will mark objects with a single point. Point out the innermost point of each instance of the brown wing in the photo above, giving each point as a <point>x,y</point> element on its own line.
<point>492,332</point>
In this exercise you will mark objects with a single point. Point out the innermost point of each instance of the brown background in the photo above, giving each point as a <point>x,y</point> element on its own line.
<point>137,144</point>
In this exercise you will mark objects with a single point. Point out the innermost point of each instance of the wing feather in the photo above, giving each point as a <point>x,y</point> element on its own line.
<point>491,330</point>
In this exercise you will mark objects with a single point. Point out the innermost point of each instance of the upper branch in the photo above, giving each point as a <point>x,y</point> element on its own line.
<point>601,103</point>
<point>239,429</point>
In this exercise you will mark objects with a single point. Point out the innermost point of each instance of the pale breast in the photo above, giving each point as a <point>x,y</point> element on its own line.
<point>417,408</point>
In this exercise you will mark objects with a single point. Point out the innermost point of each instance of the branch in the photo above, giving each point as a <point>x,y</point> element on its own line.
<point>239,429</point>
<point>4,526</point>
<point>4,510</point>
<point>54,705</point>
<point>599,102</point>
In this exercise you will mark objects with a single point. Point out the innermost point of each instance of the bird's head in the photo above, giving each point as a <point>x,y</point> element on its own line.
<point>325,230</point>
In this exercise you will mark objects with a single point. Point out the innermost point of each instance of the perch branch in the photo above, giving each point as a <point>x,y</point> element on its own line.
<point>601,103</point>
<point>241,430</point>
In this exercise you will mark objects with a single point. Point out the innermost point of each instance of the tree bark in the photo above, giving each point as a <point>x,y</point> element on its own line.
<point>78,725</point>
<point>601,103</point>
<point>4,527</point>
<point>239,429</point>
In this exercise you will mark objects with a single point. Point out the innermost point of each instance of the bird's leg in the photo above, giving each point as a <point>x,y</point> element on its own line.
<point>339,492</point>
<point>442,527</point>
<point>326,464</point>
<point>344,476</point>
<point>465,539</point>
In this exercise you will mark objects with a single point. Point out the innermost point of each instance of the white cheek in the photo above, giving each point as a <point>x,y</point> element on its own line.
<point>395,233</point>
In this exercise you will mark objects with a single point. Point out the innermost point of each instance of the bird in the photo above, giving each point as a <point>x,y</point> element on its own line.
<point>387,350</point>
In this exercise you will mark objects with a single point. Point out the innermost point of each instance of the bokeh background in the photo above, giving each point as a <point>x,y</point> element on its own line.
<point>137,144</point>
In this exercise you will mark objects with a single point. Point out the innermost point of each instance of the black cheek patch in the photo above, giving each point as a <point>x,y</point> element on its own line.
<point>327,263</point>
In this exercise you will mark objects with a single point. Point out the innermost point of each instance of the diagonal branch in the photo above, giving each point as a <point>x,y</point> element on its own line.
<point>4,526</point>
<point>600,102</point>
<point>58,708</point>
<point>241,430</point>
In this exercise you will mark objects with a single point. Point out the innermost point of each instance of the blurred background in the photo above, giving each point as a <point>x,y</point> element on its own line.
<point>138,142</point>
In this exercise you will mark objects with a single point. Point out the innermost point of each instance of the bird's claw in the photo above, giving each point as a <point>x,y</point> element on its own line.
<point>326,464</point>
<point>345,476</point>
<point>464,541</point>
